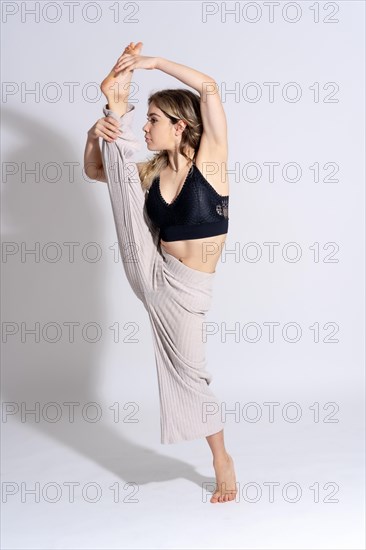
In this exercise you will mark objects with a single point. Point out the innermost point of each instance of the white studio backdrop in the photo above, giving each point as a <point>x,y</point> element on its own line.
<point>287,320</point>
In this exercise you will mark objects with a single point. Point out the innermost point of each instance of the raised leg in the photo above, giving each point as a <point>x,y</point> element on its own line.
<point>137,237</point>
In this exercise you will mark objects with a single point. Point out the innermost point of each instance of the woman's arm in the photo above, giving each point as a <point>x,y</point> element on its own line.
<point>191,77</point>
<point>108,129</point>
<point>212,111</point>
<point>93,164</point>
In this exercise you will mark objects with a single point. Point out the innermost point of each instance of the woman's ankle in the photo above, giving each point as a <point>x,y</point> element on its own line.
<point>221,457</point>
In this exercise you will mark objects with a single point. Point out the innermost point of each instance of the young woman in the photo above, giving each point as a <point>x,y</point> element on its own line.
<point>171,222</point>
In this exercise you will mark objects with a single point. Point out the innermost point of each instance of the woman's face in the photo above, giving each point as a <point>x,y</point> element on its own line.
<point>159,131</point>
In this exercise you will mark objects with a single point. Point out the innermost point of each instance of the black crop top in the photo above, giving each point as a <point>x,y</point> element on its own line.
<point>198,211</point>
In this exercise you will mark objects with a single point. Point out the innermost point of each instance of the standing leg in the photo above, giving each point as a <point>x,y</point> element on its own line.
<point>177,308</point>
<point>224,469</point>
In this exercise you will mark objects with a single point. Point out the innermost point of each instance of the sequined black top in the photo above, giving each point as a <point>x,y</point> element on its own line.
<point>198,211</point>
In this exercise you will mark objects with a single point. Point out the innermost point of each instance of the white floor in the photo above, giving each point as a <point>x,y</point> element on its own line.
<point>168,505</point>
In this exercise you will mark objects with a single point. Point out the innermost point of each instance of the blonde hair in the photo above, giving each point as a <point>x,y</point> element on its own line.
<point>176,104</point>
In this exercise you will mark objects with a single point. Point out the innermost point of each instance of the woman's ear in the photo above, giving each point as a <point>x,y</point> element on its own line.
<point>180,126</point>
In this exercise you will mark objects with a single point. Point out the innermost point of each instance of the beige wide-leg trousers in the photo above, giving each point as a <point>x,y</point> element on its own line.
<point>175,296</point>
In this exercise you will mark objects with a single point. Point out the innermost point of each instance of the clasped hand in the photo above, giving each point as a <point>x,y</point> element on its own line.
<point>129,62</point>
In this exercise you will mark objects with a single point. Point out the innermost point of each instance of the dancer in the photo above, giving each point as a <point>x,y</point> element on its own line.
<point>171,223</point>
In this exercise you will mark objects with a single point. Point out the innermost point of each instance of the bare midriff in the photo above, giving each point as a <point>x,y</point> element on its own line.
<point>201,254</point>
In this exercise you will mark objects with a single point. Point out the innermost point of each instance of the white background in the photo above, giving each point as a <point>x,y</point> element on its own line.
<point>323,52</point>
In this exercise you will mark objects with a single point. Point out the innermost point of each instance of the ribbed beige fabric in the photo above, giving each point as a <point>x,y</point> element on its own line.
<point>175,296</point>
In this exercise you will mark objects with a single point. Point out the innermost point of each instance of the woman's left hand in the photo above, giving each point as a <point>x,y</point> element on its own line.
<point>133,61</point>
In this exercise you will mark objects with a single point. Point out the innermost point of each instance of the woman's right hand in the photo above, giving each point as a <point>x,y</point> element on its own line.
<point>106,128</point>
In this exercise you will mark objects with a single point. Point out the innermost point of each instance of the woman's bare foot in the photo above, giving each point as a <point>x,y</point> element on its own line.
<point>225,480</point>
<point>116,84</point>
